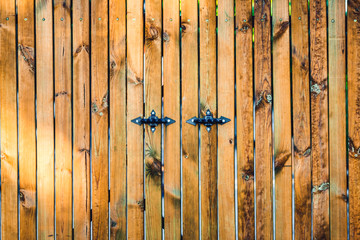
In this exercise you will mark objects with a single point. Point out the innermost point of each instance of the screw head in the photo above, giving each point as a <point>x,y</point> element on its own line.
<point>153,19</point>
<point>99,18</point>
<point>62,19</point>
<point>168,120</point>
<point>299,18</point>
<point>317,19</point>
<point>207,20</point>
<point>81,19</point>
<point>171,19</point>
<point>226,20</point>
<point>7,19</point>
<point>25,19</point>
<point>244,20</point>
<point>280,19</point>
<point>332,20</point>
<point>43,19</point>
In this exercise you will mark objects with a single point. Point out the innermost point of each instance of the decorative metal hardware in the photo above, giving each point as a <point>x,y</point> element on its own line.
<point>208,120</point>
<point>153,121</point>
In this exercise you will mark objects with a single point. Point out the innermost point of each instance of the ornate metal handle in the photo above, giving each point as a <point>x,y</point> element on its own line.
<point>208,120</point>
<point>153,121</point>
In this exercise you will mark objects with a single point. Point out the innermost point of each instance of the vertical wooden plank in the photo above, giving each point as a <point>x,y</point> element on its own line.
<point>301,118</point>
<point>171,80</point>
<point>263,131</point>
<point>337,119</point>
<point>226,108</point>
<point>135,143</point>
<point>81,119</point>
<point>27,135</point>
<point>153,31</point>
<point>99,118</point>
<point>63,141</point>
<point>117,41</point>
<point>353,62</point>
<point>244,112</point>
<point>282,118</point>
<point>319,119</point>
<point>45,115</point>
<point>8,119</point>
<point>208,140</point>
<point>190,97</point>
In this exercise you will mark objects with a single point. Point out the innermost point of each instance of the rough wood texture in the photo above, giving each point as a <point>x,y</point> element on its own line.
<point>282,119</point>
<point>117,41</point>
<point>153,168</point>
<point>99,118</point>
<point>135,143</point>
<point>45,118</point>
<point>190,133</point>
<point>319,120</point>
<point>226,108</point>
<point>337,119</point>
<point>263,135</point>
<point>354,115</point>
<point>301,118</point>
<point>244,112</point>
<point>171,79</point>
<point>63,119</point>
<point>26,108</point>
<point>81,119</point>
<point>8,119</point>
<point>208,140</point>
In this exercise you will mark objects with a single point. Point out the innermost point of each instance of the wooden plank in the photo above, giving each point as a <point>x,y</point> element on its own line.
<point>171,81</point>
<point>117,41</point>
<point>282,119</point>
<point>226,108</point>
<point>263,131</point>
<point>45,115</point>
<point>153,168</point>
<point>190,97</point>
<point>8,119</point>
<point>63,135</point>
<point>337,119</point>
<point>301,118</point>
<point>353,62</point>
<point>135,143</point>
<point>27,134</point>
<point>244,112</point>
<point>208,140</point>
<point>319,119</point>
<point>99,118</point>
<point>81,119</point>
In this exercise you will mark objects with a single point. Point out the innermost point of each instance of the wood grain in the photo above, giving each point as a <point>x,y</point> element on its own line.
<point>301,119</point>
<point>45,118</point>
<point>153,168</point>
<point>353,61</point>
<point>26,110</point>
<point>190,108</point>
<point>208,100</point>
<point>337,118</point>
<point>319,119</point>
<point>135,143</point>
<point>263,122</point>
<point>81,119</point>
<point>226,108</point>
<point>8,120</point>
<point>99,119</point>
<point>171,81</point>
<point>244,113</point>
<point>63,119</point>
<point>282,119</point>
<point>117,41</point>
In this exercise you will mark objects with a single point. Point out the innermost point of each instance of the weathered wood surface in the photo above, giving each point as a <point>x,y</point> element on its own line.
<point>208,100</point>
<point>153,165</point>
<point>263,122</point>
<point>99,119</point>
<point>190,108</point>
<point>117,50</point>
<point>353,62</point>
<point>319,119</point>
<point>301,119</point>
<point>26,119</point>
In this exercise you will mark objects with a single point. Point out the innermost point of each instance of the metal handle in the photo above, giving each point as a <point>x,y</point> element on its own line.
<point>153,121</point>
<point>208,120</point>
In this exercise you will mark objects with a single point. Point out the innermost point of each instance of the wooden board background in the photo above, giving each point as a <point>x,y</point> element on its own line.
<point>73,74</point>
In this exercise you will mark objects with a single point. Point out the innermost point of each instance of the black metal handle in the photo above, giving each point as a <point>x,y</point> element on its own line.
<point>153,121</point>
<point>208,120</point>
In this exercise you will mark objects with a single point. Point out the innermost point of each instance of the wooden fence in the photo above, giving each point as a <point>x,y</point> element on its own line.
<point>74,74</point>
